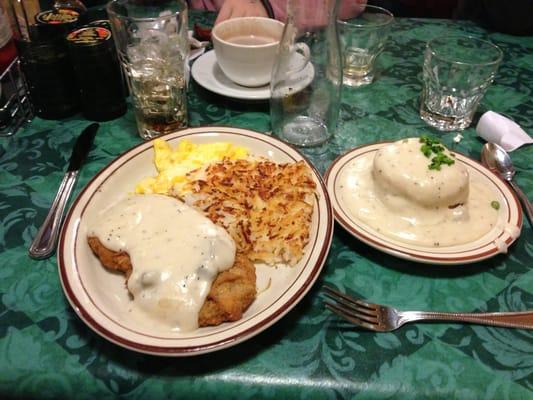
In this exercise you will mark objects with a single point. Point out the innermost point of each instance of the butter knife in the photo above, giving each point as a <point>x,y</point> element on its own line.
<point>45,242</point>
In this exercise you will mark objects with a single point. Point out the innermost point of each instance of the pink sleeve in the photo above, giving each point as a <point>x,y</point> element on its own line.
<point>346,8</point>
<point>349,9</point>
<point>210,5</point>
<point>280,9</point>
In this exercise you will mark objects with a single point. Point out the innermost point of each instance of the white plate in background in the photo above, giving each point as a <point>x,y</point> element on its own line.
<point>494,242</point>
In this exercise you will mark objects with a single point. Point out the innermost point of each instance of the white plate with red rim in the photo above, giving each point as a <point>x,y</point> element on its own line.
<point>100,298</point>
<point>492,243</point>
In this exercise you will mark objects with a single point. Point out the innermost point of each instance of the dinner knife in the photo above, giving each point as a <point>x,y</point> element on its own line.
<point>45,241</point>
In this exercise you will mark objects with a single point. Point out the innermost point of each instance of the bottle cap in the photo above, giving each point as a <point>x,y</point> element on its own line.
<point>57,22</point>
<point>91,42</point>
<point>60,16</point>
<point>89,36</point>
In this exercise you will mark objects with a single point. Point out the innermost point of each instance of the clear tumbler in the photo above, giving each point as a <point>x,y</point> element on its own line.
<point>363,37</point>
<point>457,72</point>
<point>152,44</point>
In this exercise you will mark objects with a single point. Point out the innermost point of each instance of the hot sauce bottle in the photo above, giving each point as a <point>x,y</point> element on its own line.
<point>40,40</point>
<point>44,59</point>
<point>97,72</point>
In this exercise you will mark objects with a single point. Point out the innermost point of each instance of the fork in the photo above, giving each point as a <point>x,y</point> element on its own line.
<point>381,318</point>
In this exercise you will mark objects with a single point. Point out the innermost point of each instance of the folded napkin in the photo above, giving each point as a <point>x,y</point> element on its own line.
<point>496,128</point>
<point>197,47</point>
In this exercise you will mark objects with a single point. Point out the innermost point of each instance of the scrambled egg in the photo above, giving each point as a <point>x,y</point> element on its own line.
<point>173,165</point>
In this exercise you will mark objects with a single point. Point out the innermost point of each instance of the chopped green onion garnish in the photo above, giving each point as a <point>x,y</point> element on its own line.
<point>426,150</point>
<point>495,204</point>
<point>433,146</point>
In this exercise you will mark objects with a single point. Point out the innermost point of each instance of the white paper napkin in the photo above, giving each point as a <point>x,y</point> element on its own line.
<point>197,47</point>
<point>496,128</point>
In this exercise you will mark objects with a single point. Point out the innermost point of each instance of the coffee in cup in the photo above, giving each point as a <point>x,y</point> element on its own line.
<point>246,48</point>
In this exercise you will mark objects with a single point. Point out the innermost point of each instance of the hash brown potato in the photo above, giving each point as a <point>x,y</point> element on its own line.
<point>265,207</point>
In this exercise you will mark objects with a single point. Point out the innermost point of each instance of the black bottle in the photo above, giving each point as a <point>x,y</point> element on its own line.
<point>46,65</point>
<point>98,74</point>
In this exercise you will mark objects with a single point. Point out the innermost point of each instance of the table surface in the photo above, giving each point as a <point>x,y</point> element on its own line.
<point>46,351</point>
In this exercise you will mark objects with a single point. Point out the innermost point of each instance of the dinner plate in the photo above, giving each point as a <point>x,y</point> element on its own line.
<point>496,241</point>
<point>208,74</point>
<point>100,297</point>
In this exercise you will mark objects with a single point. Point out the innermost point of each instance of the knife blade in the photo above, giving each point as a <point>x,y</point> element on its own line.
<point>45,241</point>
<point>82,147</point>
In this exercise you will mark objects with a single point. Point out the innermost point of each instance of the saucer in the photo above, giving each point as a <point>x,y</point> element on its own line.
<point>208,74</point>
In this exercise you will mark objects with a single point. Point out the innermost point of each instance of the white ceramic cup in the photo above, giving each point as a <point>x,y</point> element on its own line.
<point>246,48</point>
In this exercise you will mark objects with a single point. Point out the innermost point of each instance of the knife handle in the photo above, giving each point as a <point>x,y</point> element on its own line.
<point>45,241</point>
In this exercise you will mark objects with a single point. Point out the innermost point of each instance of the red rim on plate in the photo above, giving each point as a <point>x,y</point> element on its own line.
<point>77,265</point>
<point>478,250</point>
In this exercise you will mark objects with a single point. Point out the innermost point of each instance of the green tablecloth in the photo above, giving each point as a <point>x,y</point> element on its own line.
<point>47,352</point>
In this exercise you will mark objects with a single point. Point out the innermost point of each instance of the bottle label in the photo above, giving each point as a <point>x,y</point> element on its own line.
<point>89,36</point>
<point>56,17</point>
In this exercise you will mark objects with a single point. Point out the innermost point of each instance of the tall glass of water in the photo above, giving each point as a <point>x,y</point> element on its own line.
<point>457,72</point>
<point>151,39</point>
<point>307,75</point>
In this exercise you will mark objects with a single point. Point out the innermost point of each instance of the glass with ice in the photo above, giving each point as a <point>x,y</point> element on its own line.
<point>151,40</point>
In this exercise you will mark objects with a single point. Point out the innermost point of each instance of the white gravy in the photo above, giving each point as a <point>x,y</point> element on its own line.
<point>175,251</point>
<point>412,205</point>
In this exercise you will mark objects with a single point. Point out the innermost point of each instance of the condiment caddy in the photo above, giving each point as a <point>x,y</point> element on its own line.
<point>65,73</point>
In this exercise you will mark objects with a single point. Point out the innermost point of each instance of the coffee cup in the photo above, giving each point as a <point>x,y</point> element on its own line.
<point>246,48</point>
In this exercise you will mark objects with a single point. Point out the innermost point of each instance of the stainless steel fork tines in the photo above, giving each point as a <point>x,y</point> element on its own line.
<point>381,318</point>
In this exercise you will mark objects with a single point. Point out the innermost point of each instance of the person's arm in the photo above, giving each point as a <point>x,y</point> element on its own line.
<point>351,8</point>
<point>241,8</point>
<point>347,8</point>
<point>210,5</point>
<point>267,8</point>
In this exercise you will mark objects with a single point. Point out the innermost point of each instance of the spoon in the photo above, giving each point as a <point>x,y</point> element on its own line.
<point>497,160</point>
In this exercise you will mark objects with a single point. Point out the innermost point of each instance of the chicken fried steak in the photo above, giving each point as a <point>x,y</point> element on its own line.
<point>231,293</point>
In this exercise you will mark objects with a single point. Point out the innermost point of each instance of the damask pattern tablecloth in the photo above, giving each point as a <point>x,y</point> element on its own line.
<point>47,352</point>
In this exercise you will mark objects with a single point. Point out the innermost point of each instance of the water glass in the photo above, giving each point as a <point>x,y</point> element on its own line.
<point>457,72</point>
<point>307,75</point>
<point>151,40</point>
<point>363,37</point>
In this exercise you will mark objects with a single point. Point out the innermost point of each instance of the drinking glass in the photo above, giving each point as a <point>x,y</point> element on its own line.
<point>457,72</point>
<point>363,37</point>
<point>151,40</point>
<point>307,75</point>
